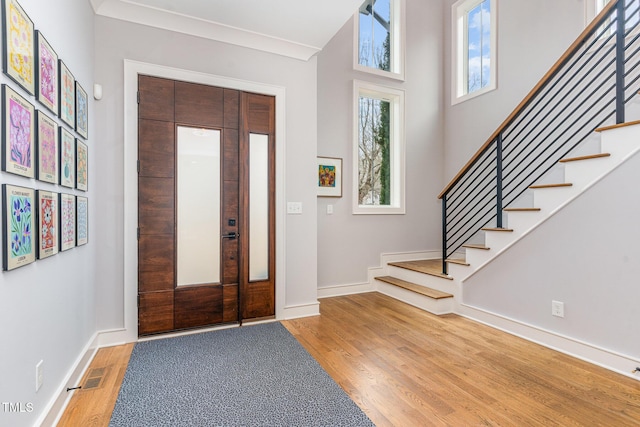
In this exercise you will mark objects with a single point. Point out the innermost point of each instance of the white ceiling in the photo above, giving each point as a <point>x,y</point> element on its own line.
<point>294,28</point>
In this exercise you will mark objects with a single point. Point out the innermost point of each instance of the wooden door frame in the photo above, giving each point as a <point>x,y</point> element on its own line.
<point>129,333</point>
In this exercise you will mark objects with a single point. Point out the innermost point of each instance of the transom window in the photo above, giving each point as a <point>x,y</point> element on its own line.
<point>378,31</point>
<point>474,44</point>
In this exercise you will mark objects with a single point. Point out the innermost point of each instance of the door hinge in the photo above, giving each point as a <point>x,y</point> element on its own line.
<point>138,233</point>
<point>138,96</point>
<point>138,166</point>
<point>138,300</point>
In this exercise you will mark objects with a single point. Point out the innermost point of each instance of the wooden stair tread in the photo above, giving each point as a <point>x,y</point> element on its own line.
<point>521,209</point>
<point>619,125</point>
<point>496,229</point>
<point>588,157</point>
<point>419,289</point>
<point>476,247</point>
<point>566,184</point>
<point>459,261</point>
<point>432,267</point>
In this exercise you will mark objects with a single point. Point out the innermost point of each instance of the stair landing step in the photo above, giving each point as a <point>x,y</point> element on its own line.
<point>497,229</point>
<point>459,261</point>
<point>432,267</point>
<point>422,290</point>
<point>591,156</point>
<point>566,184</point>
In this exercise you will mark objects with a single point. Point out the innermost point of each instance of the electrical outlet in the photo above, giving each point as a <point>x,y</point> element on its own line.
<point>557,308</point>
<point>39,375</point>
<point>329,209</point>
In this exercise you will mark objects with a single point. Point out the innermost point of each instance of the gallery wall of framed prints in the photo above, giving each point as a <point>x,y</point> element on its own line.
<point>45,130</point>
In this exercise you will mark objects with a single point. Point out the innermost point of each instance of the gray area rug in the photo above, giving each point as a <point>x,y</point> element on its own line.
<point>250,376</point>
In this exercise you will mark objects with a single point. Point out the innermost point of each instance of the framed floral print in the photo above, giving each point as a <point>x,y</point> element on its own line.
<point>329,177</point>
<point>67,163</point>
<point>67,221</point>
<point>47,75</point>
<point>18,226</point>
<point>82,220</point>
<point>82,112</point>
<point>47,224</point>
<point>18,139</point>
<point>46,148</point>
<point>82,162</point>
<point>18,46</point>
<point>66,95</point>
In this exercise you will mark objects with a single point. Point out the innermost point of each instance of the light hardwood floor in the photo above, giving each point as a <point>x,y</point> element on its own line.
<point>406,367</point>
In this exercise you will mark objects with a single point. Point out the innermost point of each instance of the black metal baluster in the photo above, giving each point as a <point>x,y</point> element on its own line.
<point>620,11</point>
<point>499,181</point>
<point>444,234</point>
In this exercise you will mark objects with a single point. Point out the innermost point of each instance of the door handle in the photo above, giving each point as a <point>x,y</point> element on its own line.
<point>231,235</point>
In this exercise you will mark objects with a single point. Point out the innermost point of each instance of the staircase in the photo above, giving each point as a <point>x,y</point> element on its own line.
<point>420,282</point>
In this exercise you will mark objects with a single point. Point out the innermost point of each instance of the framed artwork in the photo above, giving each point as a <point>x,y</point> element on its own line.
<point>47,224</point>
<point>18,139</point>
<point>18,47</point>
<point>66,95</point>
<point>47,75</point>
<point>329,177</point>
<point>82,220</point>
<point>82,112</point>
<point>67,163</point>
<point>67,221</point>
<point>82,165</point>
<point>18,225</point>
<point>46,148</point>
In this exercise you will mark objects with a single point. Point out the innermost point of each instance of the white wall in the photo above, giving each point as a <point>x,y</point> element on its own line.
<point>348,244</point>
<point>47,308</point>
<point>118,40</point>
<point>532,35</point>
<point>586,256</point>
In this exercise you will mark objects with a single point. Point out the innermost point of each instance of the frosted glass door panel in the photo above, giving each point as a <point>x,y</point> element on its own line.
<point>258,207</point>
<point>198,203</point>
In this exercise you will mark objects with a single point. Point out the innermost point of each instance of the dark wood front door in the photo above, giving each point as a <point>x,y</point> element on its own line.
<point>170,297</point>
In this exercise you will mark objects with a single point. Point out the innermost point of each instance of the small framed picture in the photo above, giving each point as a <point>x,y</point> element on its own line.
<point>18,225</point>
<point>47,75</point>
<point>66,95</point>
<point>329,177</point>
<point>82,220</point>
<point>67,221</point>
<point>46,148</point>
<point>82,165</point>
<point>82,112</point>
<point>18,46</point>
<point>18,139</point>
<point>47,224</point>
<point>67,163</point>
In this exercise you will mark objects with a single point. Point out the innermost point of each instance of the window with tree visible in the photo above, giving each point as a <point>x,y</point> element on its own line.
<point>378,31</point>
<point>474,44</point>
<point>378,149</point>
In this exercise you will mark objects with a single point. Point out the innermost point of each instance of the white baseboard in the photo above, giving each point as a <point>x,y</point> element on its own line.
<point>54,410</point>
<point>620,363</point>
<point>302,310</point>
<point>348,289</point>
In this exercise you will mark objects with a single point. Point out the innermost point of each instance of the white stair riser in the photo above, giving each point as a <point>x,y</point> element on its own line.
<point>476,257</point>
<point>498,240</point>
<point>549,199</point>
<point>584,172</point>
<point>621,141</point>
<point>435,306</point>
<point>523,221</point>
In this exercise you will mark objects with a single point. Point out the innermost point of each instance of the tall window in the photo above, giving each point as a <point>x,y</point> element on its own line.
<point>474,43</point>
<point>632,12</point>
<point>378,31</point>
<point>378,149</point>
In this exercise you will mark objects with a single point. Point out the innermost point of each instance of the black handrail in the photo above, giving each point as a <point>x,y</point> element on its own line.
<point>588,86</point>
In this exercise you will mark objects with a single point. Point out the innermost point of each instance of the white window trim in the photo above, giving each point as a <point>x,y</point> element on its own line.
<point>592,8</point>
<point>459,44</point>
<point>397,155</point>
<point>397,48</point>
